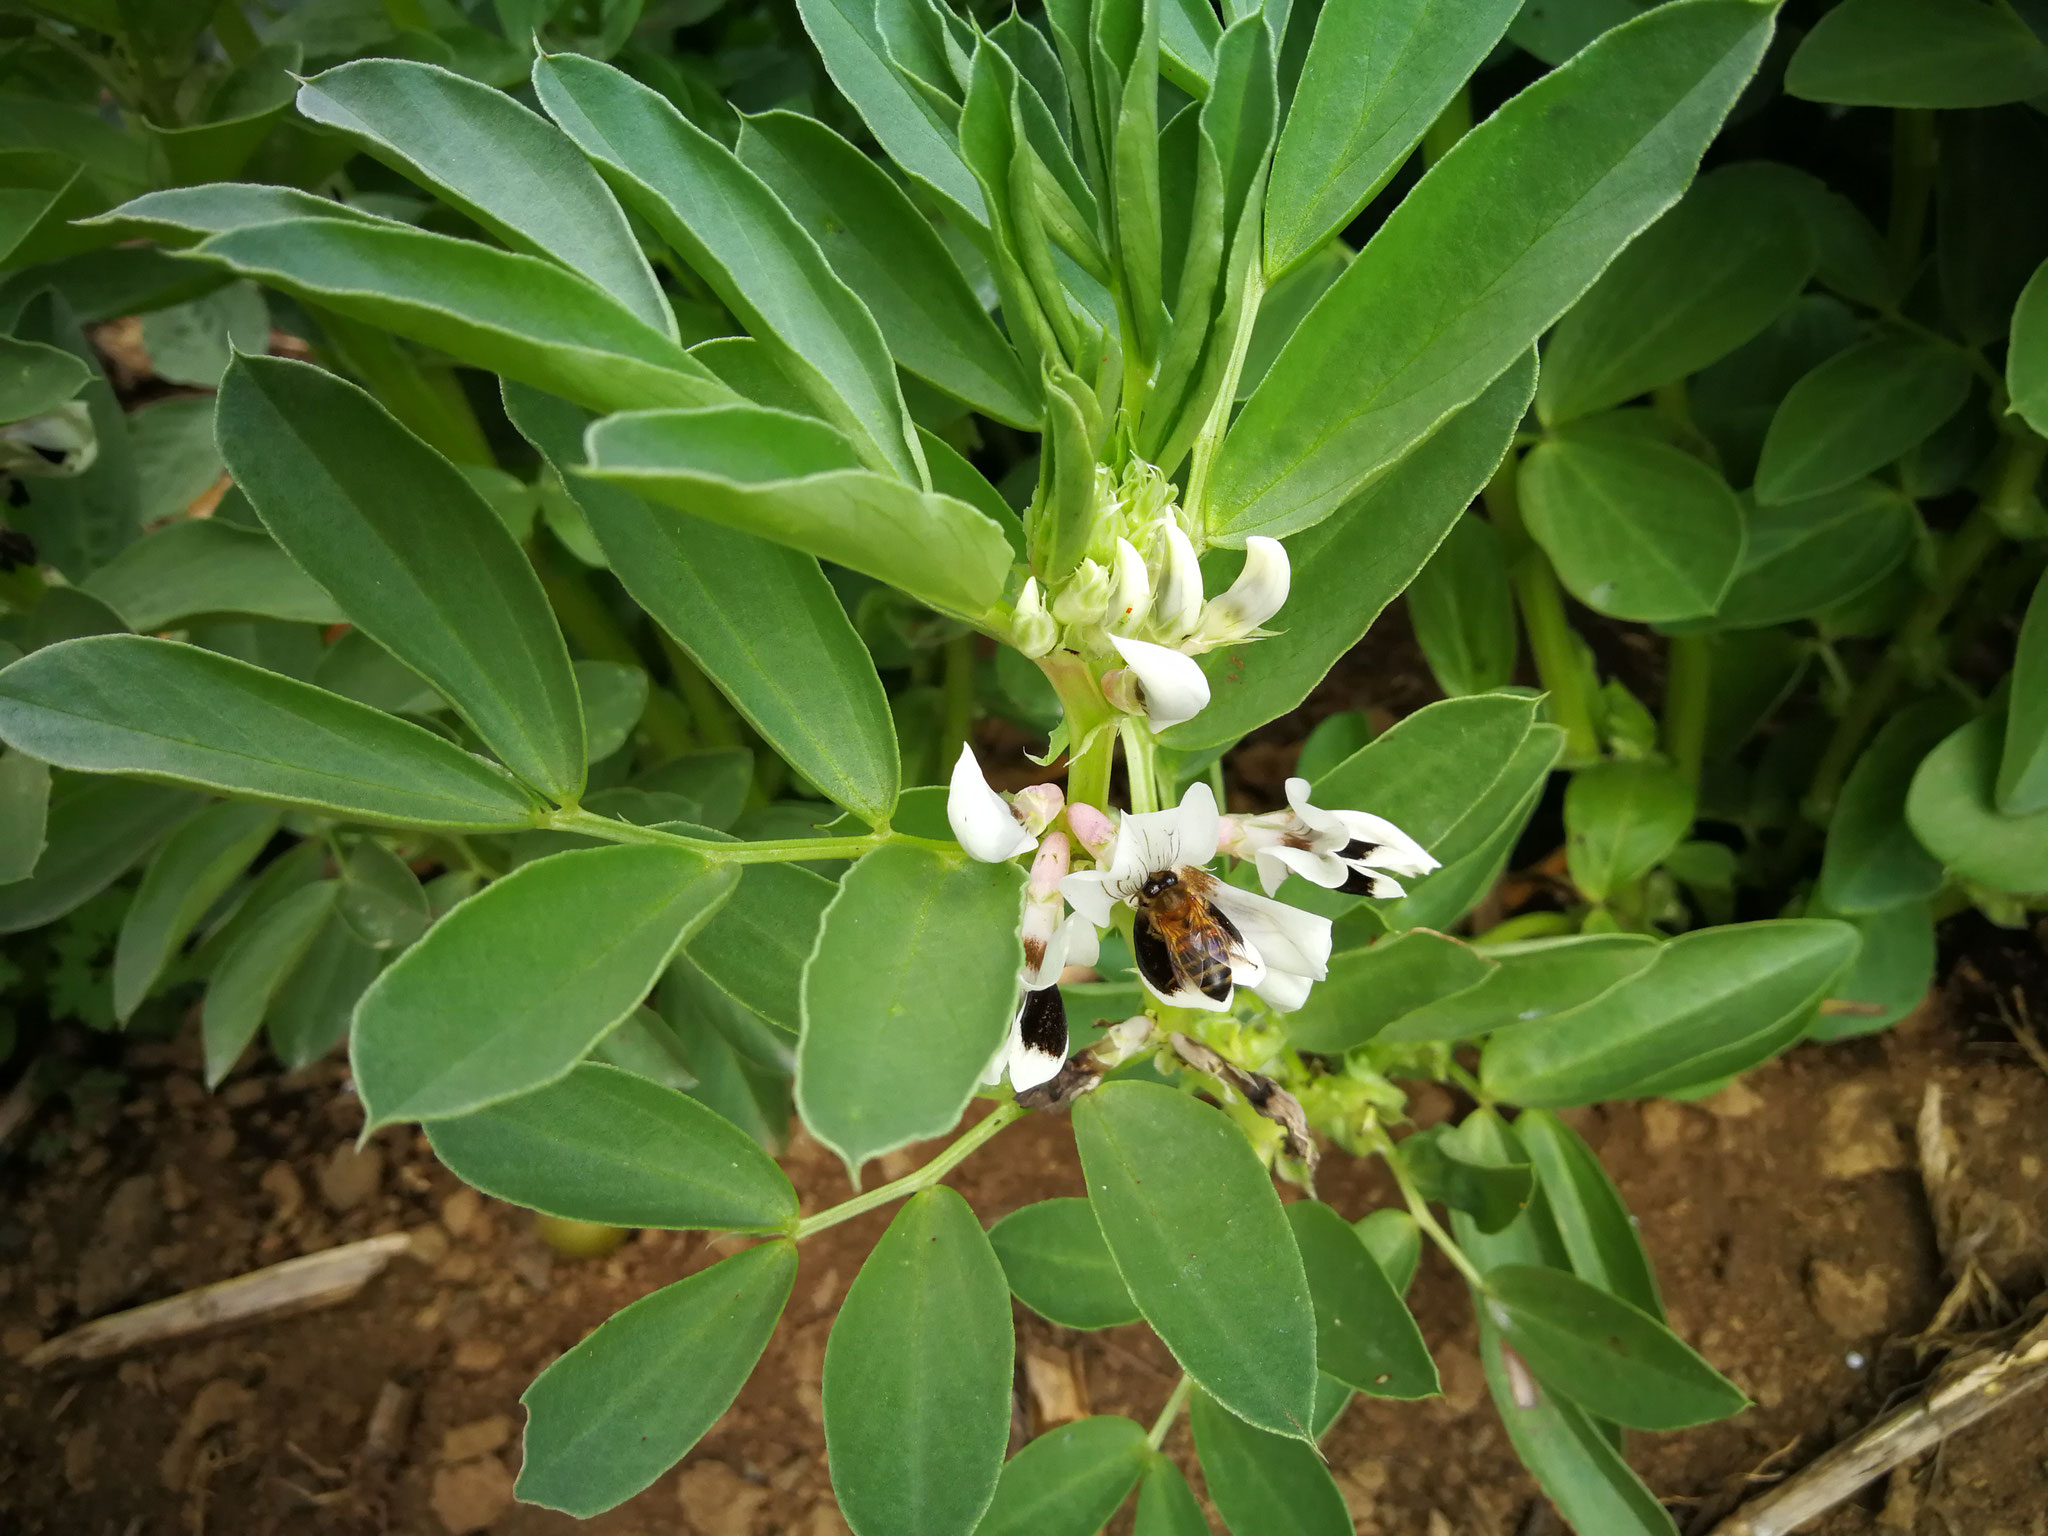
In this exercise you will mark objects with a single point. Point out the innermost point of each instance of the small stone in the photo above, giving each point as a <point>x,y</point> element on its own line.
<point>1665,1124</point>
<point>471,1496</point>
<point>81,1451</point>
<point>479,1437</point>
<point>459,1212</point>
<point>1738,1101</point>
<point>115,1263</point>
<point>348,1177</point>
<point>1858,1134</point>
<point>1855,1306</point>
<point>282,1185</point>
<point>250,1090</point>
<point>825,1520</point>
<point>476,1356</point>
<point>457,1268</point>
<point>717,1501</point>
<point>428,1244</point>
<point>178,1192</point>
<point>1361,1487</point>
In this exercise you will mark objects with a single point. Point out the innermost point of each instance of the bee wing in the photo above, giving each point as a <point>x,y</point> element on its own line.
<point>1187,966</point>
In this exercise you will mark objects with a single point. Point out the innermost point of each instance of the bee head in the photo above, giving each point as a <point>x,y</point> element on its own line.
<point>1157,883</point>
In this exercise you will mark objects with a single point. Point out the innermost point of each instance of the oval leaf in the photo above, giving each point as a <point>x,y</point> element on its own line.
<point>1198,1234</point>
<point>240,991</point>
<point>416,558</point>
<point>1595,1225</point>
<point>1620,820</point>
<point>190,871</point>
<point>161,710</point>
<point>1952,808</point>
<point>1368,989</point>
<point>2022,787</point>
<point>1857,412</point>
<point>1532,980</point>
<point>1365,1336</point>
<point>1263,1482</point>
<point>1059,1266</point>
<point>511,989</point>
<point>1068,1481</point>
<point>627,1403</point>
<point>611,1147</point>
<point>917,1376</point>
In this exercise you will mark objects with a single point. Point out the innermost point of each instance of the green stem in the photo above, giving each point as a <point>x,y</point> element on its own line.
<point>2020,461</point>
<point>1915,152</point>
<point>1419,1209</point>
<point>962,1148</point>
<point>1541,601</point>
<point>780,850</point>
<point>1141,763</point>
<point>1091,752</point>
<point>957,718</point>
<point>1176,1400</point>
<point>1210,441</point>
<point>1687,685</point>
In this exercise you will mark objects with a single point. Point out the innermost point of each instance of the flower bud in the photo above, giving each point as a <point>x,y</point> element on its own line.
<point>1172,686</point>
<point>1177,602</point>
<point>1130,591</point>
<point>1121,689</point>
<point>1032,629</point>
<point>1256,595</point>
<point>981,819</point>
<point>1038,806</point>
<point>1080,599</point>
<point>1096,832</point>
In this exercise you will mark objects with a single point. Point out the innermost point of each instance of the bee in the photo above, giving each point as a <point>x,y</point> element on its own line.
<point>1181,938</point>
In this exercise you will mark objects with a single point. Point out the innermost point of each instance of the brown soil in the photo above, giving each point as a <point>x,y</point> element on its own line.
<point>1787,1218</point>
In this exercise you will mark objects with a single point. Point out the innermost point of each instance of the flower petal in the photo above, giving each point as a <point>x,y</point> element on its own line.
<point>1186,997</point>
<point>1283,991</point>
<point>1325,869</point>
<point>1258,593</point>
<point>981,819</point>
<point>1199,824</point>
<point>1392,849</point>
<point>1038,1039</point>
<point>1088,891</point>
<point>1084,944</point>
<point>1287,938</point>
<point>1174,686</point>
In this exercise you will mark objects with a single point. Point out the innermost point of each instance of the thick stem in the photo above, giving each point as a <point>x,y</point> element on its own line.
<point>1419,1209</point>
<point>2020,461</point>
<point>1091,751</point>
<point>1176,1400</point>
<point>962,1148</point>
<point>1141,763</point>
<point>957,721</point>
<point>1688,681</point>
<point>1541,601</point>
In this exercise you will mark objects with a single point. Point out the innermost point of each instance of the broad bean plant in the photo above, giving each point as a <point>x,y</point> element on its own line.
<point>1081,387</point>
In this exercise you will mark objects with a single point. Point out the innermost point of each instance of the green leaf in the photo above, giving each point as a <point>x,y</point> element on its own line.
<point>511,989</point>
<point>614,696</point>
<point>1532,980</point>
<point>1166,1505</point>
<point>175,457</point>
<point>2026,362</point>
<point>35,378</point>
<point>1952,808</point>
<point>760,619</point>
<point>649,1047</point>
<point>1872,860</point>
<point>1492,1195</point>
<point>179,216</point>
<point>2022,786</point>
<point>160,710</point>
<point>756,945</point>
<point>1394,1240</point>
<point>1068,1481</point>
<point>1350,566</point>
<point>79,522</point>
<point>1612,1359</point>
<point>1714,1001</point>
<point>1804,557</point>
<point>797,481</point>
<point>907,127</point>
<point>515,315</point>
<point>201,567</point>
<point>24,814</point>
<point>623,1406</point>
<point>309,1014</point>
<point>1059,1266</point>
<point>381,900</point>
<point>249,975</point>
<point>1365,1337</point>
<point>1702,280</point>
<point>1636,528</point>
<point>1991,224</point>
<point>1463,611</point>
<point>512,171</point>
<point>722,219</point>
<point>1918,53</point>
<point>1892,973</point>
<point>95,831</point>
<point>916,961</point>
<point>1261,1483</point>
<point>1620,820</point>
<point>1375,78</point>
<point>190,871</point>
<point>1369,989</point>
<point>1595,1225</point>
<point>1501,236</point>
<point>888,253</point>
<point>1179,1193</point>
<point>1577,1465</point>
<point>1857,412</point>
<point>1477,847</point>
<point>917,1376</point>
<point>193,343</point>
<point>611,1147</point>
<point>415,556</point>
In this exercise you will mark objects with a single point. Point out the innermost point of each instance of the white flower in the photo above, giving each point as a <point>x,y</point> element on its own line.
<point>1256,595</point>
<point>1081,597</point>
<point>1032,630</point>
<point>1037,1047</point>
<point>983,822</point>
<point>1047,933</point>
<point>1177,587</point>
<point>1170,684</point>
<point>1274,949</point>
<point>1130,590</point>
<point>1349,851</point>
